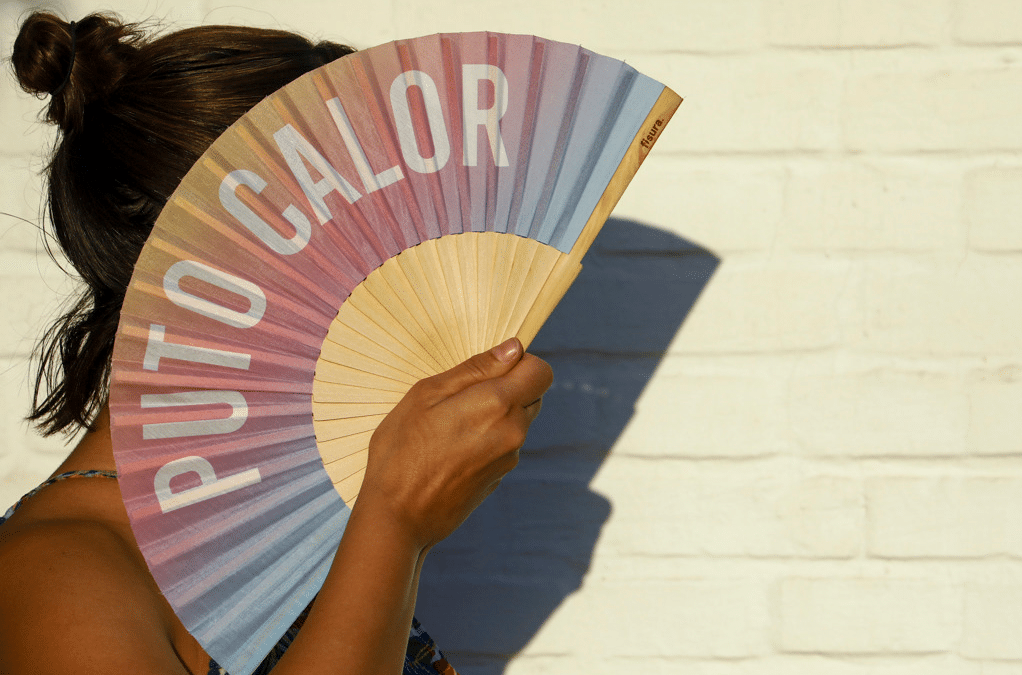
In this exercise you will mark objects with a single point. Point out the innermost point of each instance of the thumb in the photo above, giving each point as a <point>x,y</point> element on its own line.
<point>481,367</point>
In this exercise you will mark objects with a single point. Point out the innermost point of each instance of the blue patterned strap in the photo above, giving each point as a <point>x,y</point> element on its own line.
<point>91,473</point>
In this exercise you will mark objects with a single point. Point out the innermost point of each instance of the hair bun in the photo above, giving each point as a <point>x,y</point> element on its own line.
<point>77,68</point>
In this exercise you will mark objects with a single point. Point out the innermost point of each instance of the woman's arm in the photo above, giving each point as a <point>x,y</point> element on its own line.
<point>440,452</point>
<point>82,601</point>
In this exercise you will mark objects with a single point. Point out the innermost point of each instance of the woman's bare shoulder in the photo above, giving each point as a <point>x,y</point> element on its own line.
<point>73,599</point>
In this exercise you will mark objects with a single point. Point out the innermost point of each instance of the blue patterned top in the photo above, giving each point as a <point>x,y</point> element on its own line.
<point>421,658</point>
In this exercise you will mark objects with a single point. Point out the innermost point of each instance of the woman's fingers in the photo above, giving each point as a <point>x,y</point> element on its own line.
<point>480,368</point>
<point>445,447</point>
<point>527,382</point>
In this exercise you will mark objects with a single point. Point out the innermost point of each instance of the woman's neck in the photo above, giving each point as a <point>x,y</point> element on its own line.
<point>94,450</point>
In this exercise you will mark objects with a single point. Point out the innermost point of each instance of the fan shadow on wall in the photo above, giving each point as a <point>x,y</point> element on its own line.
<point>486,591</point>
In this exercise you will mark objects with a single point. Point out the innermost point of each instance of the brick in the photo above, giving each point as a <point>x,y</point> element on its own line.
<point>772,102</point>
<point>856,23</point>
<point>628,302</point>
<point>590,402</point>
<point>719,618</point>
<point>993,621</point>
<point>970,307</point>
<point>948,517</point>
<point>622,235</point>
<point>993,208</point>
<point>695,28</point>
<point>759,509</point>
<point>701,203</point>
<point>995,427</point>
<point>317,19</point>
<point>779,664</point>
<point>778,304</point>
<point>872,206</point>
<point>697,408</point>
<point>459,612</point>
<point>988,22</point>
<point>879,412</point>
<point>868,616</point>
<point>928,110</point>
<point>534,527</point>
<point>722,618</point>
<point>573,664</point>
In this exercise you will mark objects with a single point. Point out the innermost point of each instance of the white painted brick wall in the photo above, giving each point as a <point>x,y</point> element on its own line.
<point>869,616</point>
<point>944,517</point>
<point>823,473</point>
<point>856,23</point>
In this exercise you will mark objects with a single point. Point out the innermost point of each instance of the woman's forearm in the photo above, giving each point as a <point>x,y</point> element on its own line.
<point>442,449</point>
<point>361,618</point>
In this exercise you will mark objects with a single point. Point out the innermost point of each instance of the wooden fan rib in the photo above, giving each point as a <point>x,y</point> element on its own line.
<point>343,343</point>
<point>345,446</point>
<point>349,409</point>
<point>390,289</point>
<point>448,260</point>
<point>413,283</point>
<point>542,264</point>
<point>357,321</point>
<point>388,364</point>
<point>520,257</point>
<point>328,371</point>
<point>441,285</point>
<point>468,258</point>
<point>346,467</point>
<point>407,336</point>
<point>328,392</point>
<point>486,250</point>
<point>564,274</point>
<point>332,429</point>
<point>506,247</point>
<point>333,374</point>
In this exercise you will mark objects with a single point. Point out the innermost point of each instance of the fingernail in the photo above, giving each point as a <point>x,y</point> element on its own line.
<point>507,351</point>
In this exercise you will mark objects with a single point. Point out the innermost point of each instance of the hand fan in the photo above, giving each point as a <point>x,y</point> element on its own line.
<point>376,221</point>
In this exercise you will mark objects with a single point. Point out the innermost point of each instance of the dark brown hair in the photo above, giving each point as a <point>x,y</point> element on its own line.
<point>134,112</point>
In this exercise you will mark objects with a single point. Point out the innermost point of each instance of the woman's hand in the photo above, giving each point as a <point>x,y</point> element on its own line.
<point>446,445</point>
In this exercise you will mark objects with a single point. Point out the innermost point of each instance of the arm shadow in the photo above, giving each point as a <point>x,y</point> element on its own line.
<point>487,590</point>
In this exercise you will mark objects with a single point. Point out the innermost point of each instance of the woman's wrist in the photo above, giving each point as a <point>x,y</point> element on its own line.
<point>379,513</point>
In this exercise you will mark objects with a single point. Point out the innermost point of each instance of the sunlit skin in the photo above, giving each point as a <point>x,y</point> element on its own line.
<point>76,595</point>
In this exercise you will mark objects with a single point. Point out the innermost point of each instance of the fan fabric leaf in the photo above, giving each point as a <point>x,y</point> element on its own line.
<point>376,221</point>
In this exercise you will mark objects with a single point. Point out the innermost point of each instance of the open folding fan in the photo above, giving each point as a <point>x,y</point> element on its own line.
<point>377,221</point>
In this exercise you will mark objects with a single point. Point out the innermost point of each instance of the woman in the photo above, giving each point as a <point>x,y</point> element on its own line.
<point>134,113</point>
